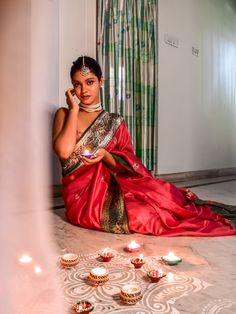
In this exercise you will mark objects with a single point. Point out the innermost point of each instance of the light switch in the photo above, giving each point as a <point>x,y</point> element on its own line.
<point>170,40</point>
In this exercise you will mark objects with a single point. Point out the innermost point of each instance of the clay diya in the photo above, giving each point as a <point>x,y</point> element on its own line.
<point>155,275</point>
<point>83,306</point>
<point>171,259</point>
<point>133,246</point>
<point>106,255</point>
<point>138,261</point>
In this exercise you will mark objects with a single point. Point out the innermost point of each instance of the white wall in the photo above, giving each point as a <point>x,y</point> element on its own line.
<point>28,75</point>
<point>77,36</point>
<point>197,95</point>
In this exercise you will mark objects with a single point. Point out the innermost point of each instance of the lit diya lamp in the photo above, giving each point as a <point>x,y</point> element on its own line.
<point>106,255</point>
<point>171,259</point>
<point>87,154</point>
<point>130,294</point>
<point>133,246</point>
<point>83,306</point>
<point>155,275</point>
<point>138,261</point>
<point>25,259</point>
<point>98,276</point>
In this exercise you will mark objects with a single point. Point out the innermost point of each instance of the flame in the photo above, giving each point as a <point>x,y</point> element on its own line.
<point>171,255</point>
<point>25,259</point>
<point>133,244</point>
<point>37,270</point>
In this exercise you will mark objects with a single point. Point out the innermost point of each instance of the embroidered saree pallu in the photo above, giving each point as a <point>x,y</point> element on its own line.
<point>128,198</point>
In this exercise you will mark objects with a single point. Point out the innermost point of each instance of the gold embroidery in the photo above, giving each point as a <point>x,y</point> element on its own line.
<point>189,194</point>
<point>76,196</point>
<point>99,134</point>
<point>114,215</point>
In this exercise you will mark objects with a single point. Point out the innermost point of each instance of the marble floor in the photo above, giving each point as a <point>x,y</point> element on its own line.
<point>203,283</point>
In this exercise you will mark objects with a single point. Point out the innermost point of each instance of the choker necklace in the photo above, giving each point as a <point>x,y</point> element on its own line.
<point>91,108</point>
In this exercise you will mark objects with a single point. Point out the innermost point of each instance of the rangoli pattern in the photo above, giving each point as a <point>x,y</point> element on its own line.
<point>158,297</point>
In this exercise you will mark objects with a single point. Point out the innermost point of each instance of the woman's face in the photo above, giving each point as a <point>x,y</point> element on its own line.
<point>86,87</point>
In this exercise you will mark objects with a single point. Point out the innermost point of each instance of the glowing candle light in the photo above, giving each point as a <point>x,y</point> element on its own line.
<point>133,246</point>
<point>87,154</point>
<point>25,259</point>
<point>171,259</point>
<point>171,256</point>
<point>99,271</point>
<point>37,270</point>
<point>131,289</point>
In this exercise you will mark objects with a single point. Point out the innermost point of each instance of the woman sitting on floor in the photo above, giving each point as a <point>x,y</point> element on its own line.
<point>112,191</point>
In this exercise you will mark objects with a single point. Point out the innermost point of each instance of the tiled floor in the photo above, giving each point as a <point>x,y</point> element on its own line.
<point>204,283</point>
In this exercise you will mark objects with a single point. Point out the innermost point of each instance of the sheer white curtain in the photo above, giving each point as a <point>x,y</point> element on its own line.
<point>27,58</point>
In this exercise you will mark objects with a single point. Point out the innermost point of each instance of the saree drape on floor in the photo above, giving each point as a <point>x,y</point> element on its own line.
<point>129,198</point>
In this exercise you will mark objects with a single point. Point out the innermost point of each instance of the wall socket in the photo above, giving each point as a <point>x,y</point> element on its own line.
<point>195,51</point>
<point>169,40</point>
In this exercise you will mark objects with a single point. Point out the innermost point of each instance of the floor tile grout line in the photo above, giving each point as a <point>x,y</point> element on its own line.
<point>208,183</point>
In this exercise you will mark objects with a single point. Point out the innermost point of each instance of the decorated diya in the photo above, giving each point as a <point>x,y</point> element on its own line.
<point>83,306</point>
<point>98,276</point>
<point>69,260</point>
<point>138,261</point>
<point>106,255</point>
<point>155,275</point>
<point>130,294</point>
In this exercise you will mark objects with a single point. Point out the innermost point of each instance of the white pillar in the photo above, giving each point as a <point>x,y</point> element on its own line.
<point>29,88</point>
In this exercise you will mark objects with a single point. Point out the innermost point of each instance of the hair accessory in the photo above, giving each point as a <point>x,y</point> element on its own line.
<point>84,69</point>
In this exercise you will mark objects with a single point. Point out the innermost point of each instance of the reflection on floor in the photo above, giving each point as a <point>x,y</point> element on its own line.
<point>204,283</point>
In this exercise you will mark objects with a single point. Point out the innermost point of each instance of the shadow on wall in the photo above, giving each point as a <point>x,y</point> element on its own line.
<point>232,4</point>
<point>55,167</point>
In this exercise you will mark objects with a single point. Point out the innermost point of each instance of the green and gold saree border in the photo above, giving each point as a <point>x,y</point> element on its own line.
<point>98,135</point>
<point>114,214</point>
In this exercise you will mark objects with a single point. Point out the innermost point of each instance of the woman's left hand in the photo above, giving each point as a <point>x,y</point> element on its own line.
<point>99,155</point>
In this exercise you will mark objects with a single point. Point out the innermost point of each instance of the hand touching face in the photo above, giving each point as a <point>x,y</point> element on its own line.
<point>70,99</point>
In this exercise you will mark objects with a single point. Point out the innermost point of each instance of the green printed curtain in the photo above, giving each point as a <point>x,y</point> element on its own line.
<point>127,52</point>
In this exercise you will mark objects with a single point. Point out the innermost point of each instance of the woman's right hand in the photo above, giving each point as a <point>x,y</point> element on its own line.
<point>70,99</point>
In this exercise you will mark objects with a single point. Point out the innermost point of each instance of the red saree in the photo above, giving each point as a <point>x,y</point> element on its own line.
<point>130,199</point>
